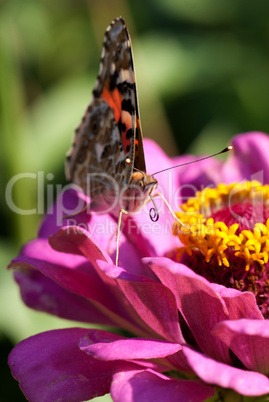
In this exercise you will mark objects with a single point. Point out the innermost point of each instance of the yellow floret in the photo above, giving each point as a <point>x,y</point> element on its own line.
<point>215,238</point>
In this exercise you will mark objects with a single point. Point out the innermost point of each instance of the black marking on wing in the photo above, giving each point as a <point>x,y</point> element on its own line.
<point>127,105</point>
<point>129,133</point>
<point>122,126</point>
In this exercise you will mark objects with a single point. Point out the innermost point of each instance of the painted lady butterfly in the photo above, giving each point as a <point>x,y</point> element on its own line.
<point>107,158</point>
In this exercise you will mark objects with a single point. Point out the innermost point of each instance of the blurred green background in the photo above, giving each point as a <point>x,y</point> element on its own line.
<point>202,69</point>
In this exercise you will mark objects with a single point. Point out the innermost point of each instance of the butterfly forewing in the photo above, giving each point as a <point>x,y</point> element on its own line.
<point>116,84</point>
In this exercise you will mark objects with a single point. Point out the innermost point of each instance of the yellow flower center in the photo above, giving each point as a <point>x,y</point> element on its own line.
<point>226,238</point>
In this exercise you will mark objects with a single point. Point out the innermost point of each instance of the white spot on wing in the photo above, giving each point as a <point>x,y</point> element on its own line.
<point>125,75</point>
<point>112,68</point>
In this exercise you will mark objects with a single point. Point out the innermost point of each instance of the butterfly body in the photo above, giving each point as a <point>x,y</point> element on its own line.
<point>107,158</point>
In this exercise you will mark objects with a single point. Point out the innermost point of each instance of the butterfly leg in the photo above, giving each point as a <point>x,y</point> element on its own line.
<point>169,208</point>
<point>122,211</point>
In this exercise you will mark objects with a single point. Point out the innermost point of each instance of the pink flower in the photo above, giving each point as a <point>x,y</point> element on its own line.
<point>191,334</point>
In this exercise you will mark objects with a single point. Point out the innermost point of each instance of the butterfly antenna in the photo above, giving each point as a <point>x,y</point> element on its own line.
<point>227,149</point>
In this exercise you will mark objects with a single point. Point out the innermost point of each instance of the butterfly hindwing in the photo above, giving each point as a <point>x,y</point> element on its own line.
<point>96,150</point>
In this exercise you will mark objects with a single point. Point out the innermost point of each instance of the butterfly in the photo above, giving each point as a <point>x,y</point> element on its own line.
<point>107,157</point>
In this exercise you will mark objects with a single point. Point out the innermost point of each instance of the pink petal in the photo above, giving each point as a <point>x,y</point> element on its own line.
<point>201,307</point>
<point>249,340</point>
<point>239,304</point>
<point>51,367</point>
<point>249,158</point>
<point>41,293</point>
<point>154,303</point>
<point>40,249</point>
<point>197,176</point>
<point>78,241</point>
<point>80,280</point>
<point>137,231</point>
<point>108,346</point>
<point>83,281</point>
<point>68,202</point>
<point>244,382</point>
<point>147,385</point>
<point>74,240</point>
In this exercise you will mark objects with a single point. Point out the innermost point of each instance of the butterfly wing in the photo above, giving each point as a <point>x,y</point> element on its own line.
<point>116,84</point>
<point>110,132</point>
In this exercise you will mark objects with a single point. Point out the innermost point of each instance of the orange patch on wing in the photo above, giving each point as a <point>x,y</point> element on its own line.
<point>114,100</point>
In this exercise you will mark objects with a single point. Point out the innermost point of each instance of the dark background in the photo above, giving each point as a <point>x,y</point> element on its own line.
<point>202,69</point>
